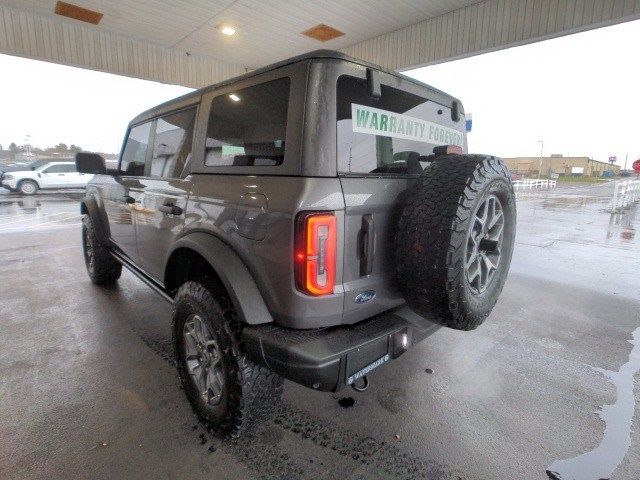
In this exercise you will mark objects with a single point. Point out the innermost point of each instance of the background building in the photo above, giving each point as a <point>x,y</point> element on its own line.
<point>557,164</point>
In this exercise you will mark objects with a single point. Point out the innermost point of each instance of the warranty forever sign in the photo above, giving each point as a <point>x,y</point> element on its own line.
<point>382,122</point>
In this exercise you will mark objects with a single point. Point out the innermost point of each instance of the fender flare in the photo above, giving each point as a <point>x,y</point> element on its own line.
<point>89,205</point>
<point>236,277</point>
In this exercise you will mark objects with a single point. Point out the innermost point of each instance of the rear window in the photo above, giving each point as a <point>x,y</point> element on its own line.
<point>392,134</point>
<point>248,127</point>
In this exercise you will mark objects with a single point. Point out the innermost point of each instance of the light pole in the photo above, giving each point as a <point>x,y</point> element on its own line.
<point>27,140</point>
<point>541,149</point>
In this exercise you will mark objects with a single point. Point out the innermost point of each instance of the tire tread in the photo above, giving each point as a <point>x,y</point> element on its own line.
<point>255,390</point>
<point>432,229</point>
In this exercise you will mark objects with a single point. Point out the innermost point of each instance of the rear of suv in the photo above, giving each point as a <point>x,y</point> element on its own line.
<point>310,220</point>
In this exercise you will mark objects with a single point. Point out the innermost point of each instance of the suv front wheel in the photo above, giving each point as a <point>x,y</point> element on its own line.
<point>28,187</point>
<point>227,391</point>
<point>102,268</point>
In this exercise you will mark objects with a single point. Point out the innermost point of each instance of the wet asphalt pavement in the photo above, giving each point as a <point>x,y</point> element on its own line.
<point>88,389</point>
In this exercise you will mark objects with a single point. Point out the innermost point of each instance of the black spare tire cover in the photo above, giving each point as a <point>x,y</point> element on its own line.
<point>455,238</point>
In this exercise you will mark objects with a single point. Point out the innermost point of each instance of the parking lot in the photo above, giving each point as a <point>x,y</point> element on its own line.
<point>89,390</point>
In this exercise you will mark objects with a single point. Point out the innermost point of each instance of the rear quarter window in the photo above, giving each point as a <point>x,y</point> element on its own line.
<point>248,127</point>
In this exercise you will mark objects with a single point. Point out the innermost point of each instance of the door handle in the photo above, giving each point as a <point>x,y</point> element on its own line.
<point>170,209</point>
<point>128,199</point>
<point>367,244</point>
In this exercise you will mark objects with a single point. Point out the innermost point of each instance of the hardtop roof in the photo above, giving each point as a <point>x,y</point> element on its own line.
<point>316,54</point>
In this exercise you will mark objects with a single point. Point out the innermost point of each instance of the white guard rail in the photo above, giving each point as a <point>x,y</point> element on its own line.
<point>624,194</point>
<point>532,183</point>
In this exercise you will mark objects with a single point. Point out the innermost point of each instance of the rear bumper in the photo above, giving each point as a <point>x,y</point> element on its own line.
<point>332,358</point>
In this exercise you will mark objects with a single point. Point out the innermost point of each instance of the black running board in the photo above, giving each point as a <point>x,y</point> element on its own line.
<point>156,287</point>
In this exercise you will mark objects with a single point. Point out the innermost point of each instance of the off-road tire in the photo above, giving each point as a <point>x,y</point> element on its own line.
<point>251,393</point>
<point>27,187</point>
<point>433,236</point>
<point>102,268</point>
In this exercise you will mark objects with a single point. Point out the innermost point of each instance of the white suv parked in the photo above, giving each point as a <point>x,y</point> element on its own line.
<point>51,175</point>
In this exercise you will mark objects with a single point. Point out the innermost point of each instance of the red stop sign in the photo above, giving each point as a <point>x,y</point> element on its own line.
<point>636,165</point>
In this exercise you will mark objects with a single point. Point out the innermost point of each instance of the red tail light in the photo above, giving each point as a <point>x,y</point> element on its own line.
<point>315,255</point>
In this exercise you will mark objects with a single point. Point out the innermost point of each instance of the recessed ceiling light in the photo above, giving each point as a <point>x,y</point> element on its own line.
<point>234,97</point>
<point>227,30</point>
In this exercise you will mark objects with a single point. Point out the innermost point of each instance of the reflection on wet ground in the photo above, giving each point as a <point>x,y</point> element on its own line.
<point>576,233</point>
<point>580,217</point>
<point>512,399</point>
<point>43,211</point>
<point>603,460</point>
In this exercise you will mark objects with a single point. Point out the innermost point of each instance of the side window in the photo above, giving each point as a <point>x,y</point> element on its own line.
<point>60,168</point>
<point>135,150</point>
<point>172,143</point>
<point>248,127</point>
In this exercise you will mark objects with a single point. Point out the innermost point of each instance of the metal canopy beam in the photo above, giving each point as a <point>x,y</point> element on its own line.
<point>488,26</point>
<point>26,34</point>
<point>471,30</point>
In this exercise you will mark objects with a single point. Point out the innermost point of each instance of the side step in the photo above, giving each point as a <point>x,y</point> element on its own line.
<point>156,287</point>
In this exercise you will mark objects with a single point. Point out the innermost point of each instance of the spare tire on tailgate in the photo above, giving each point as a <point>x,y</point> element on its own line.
<point>455,239</point>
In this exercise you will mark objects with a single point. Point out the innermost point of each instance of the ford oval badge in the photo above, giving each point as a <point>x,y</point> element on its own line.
<point>365,296</point>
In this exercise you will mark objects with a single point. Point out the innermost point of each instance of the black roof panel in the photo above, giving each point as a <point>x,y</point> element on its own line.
<point>316,54</point>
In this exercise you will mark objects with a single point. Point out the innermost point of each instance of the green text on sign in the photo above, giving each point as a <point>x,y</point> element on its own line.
<point>389,124</point>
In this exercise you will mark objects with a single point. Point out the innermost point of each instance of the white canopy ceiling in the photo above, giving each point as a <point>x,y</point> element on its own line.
<point>179,41</point>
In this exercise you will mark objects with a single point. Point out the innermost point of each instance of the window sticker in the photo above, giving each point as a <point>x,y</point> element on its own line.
<point>374,121</point>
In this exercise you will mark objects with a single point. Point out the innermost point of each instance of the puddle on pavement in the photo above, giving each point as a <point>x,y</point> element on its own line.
<point>571,202</point>
<point>601,462</point>
<point>42,211</point>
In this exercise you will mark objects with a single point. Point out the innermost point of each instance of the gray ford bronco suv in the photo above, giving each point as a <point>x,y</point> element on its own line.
<point>310,220</point>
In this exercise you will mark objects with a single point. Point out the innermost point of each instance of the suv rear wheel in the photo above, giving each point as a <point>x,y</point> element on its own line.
<point>28,187</point>
<point>227,391</point>
<point>102,268</point>
<point>455,239</point>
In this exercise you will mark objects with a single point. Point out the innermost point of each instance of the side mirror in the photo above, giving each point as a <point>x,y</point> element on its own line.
<point>87,162</point>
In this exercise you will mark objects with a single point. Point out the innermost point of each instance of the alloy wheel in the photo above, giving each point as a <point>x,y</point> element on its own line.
<point>203,359</point>
<point>484,243</point>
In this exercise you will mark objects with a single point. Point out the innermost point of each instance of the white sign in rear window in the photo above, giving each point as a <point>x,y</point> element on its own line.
<point>389,124</point>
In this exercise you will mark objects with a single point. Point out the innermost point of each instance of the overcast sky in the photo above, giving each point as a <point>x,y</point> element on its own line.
<point>55,103</point>
<point>579,94</point>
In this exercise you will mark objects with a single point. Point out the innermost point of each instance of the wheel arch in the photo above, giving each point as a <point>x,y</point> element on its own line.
<point>32,180</point>
<point>89,206</point>
<point>201,254</point>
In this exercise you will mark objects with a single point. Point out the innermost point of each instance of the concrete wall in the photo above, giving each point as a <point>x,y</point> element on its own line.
<point>529,166</point>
